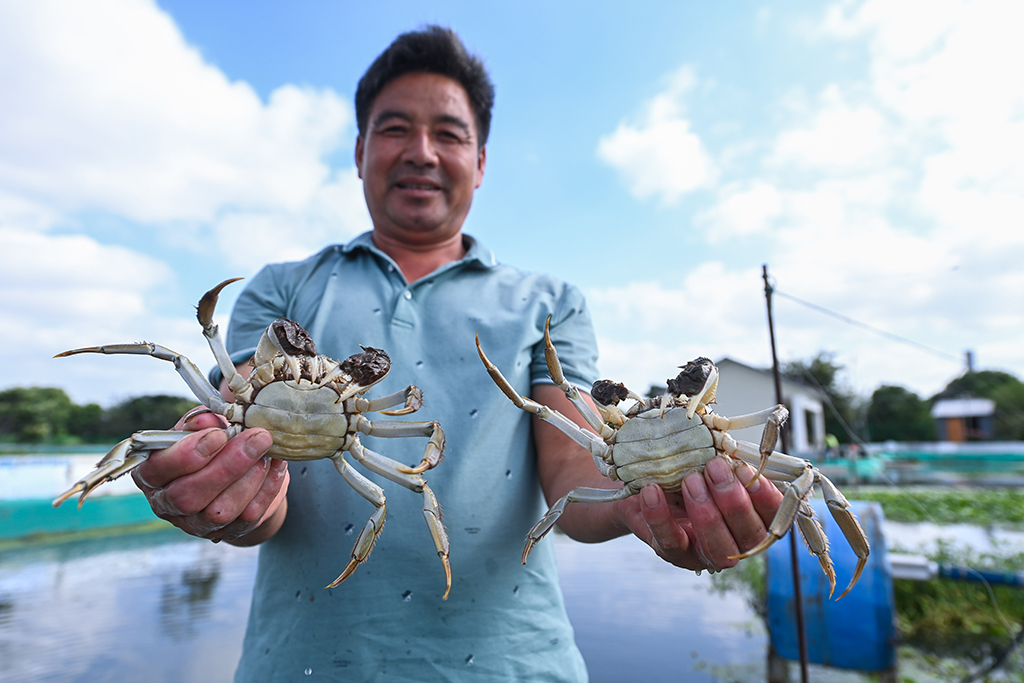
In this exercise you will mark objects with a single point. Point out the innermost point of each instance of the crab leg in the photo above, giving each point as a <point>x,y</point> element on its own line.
<point>771,418</point>
<point>121,459</point>
<point>558,377</point>
<point>204,313</point>
<point>581,494</point>
<point>840,509</point>
<point>398,429</point>
<point>368,536</point>
<point>586,439</point>
<point>386,467</point>
<point>193,377</point>
<point>411,396</point>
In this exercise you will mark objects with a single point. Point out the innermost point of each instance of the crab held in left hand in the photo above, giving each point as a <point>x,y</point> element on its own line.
<point>678,432</point>
<point>313,408</point>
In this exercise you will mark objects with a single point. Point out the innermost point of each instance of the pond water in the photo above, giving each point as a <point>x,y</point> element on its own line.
<point>161,607</point>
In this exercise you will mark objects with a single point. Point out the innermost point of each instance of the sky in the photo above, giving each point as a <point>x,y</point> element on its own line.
<point>657,154</point>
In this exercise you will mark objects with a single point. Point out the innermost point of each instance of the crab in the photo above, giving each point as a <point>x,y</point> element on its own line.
<point>660,441</point>
<point>313,407</point>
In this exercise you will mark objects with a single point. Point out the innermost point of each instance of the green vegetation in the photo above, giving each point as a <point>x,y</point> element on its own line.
<point>1003,507</point>
<point>823,372</point>
<point>44,415</point>
<point>896,414</point>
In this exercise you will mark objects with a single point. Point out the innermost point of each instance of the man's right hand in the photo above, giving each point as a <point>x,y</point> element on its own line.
<point>216,488</point>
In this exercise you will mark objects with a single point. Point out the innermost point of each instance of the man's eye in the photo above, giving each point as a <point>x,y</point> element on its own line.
<point>449,136</point>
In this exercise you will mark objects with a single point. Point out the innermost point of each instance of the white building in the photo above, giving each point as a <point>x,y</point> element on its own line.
<point>743,389</point>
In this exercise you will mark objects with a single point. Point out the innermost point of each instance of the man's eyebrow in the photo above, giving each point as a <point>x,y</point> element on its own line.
<point>390,114</point>
<point>455,121</point>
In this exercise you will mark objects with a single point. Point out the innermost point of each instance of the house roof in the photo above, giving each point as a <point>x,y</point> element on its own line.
<point>963,407</point>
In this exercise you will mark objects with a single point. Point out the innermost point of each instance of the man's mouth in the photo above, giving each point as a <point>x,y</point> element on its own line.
<point>416,186</point>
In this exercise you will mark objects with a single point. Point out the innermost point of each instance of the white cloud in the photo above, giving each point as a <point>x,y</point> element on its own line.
<point>69,291</point>
<point>662,156</point>
<point>893,199</point>
<point>840,138</point>
<point>741,209</point>
<point>108,111</point>
<point>107,107</point>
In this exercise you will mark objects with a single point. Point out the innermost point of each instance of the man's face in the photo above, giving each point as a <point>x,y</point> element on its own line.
<point>419,159</point>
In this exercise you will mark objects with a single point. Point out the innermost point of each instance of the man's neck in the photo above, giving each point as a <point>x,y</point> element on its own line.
<point>416,260</point>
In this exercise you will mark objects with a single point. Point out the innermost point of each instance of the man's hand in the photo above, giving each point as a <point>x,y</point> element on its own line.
<point>216,488</point>
<point>713,518</point>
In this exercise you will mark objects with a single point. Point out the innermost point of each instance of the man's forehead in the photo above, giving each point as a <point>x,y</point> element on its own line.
<point>412,95</point>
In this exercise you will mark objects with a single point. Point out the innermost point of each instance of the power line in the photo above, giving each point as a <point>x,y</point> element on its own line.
<point>870,328</point>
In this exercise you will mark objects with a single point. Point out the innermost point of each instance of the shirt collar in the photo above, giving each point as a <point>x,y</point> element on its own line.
<point>476,253</point>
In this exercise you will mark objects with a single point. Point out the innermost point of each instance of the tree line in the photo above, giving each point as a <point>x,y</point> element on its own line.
<point>894,413</point>
<point>46,415</point>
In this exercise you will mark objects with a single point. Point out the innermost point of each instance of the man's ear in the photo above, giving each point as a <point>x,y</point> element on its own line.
<point>481,163</point>
<point>359,155</point>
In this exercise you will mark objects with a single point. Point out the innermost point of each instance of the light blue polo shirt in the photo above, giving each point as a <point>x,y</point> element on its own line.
<point>387,622</point>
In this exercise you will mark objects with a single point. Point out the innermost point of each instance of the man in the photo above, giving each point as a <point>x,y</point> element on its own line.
<point>421,289</point>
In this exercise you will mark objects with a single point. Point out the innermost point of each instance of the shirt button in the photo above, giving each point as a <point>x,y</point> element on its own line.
<point>407,294</point>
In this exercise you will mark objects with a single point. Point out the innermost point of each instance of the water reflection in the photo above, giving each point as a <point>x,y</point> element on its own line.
<point>162,607</point>
<point>153,607</point>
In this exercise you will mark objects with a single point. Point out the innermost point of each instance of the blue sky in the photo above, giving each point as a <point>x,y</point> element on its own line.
<point>656,154</point>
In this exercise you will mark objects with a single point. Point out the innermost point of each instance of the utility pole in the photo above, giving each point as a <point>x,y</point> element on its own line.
<point>793,554</point>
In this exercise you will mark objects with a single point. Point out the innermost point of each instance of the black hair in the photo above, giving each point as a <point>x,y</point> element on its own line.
<point>433,49</point>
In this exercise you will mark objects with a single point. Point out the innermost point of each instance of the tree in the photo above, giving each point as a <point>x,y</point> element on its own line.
<point>823,372</point>
<point>143,412</point>
<point>897,414</point>
<point>34,414</point>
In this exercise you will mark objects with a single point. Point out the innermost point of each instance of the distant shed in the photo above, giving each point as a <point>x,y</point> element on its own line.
<point>964,419</point>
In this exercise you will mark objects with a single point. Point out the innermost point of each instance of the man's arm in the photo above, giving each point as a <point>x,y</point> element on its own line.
<point>712,518</point>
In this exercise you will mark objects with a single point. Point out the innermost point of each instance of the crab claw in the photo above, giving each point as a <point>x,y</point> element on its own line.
<point>204,311</point>
<point>698,381</point>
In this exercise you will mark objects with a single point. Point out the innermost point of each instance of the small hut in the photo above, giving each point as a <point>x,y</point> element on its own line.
<point>964,419</point>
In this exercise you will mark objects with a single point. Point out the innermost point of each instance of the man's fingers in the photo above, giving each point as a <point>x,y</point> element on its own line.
<point>734,502</point>
<point>715,540</point>
<point>189,455</point>
<point>765,496</point>
<point>244,508</point>
<point>193,492</point>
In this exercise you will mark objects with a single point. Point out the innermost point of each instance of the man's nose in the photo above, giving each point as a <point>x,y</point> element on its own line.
<point>420,150</point>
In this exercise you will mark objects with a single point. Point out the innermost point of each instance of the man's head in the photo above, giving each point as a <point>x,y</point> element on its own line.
<point>432,50</point>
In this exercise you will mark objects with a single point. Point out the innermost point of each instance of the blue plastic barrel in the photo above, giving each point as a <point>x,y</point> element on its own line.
<point>857,632</point>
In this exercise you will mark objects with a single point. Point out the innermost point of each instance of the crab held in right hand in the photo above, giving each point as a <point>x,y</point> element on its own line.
<point>658,443</point>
